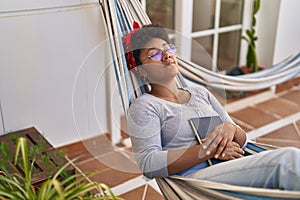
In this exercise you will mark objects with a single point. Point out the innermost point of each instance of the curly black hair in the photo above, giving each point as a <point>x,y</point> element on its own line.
<point>143,36</point>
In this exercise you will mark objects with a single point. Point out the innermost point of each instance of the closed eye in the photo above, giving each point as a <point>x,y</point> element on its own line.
<point>156,56</point>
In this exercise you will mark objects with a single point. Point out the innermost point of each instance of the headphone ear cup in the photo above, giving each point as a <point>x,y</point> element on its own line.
<point>131,63</point>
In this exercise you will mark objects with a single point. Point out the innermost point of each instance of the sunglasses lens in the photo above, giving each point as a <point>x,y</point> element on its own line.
<point>156,56</point>
<point>171,49</point>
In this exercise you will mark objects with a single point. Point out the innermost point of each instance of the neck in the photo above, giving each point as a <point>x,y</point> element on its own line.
<point>165,91</point>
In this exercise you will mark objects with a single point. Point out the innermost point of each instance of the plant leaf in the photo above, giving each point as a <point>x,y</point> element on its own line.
<point>253,21</point>
<point>102,185</point>
<point>246,39</point>
<point>81,190</point>
<point>249,57</point>
<point>256,6</point>
<point>249,33</point>
<point>73,183</point>
<point>58,188</point>
<point>22,145</point>
<point>6,194</point>
<point>45,193</point>
<point>4,150</point>
<point>18,186</point>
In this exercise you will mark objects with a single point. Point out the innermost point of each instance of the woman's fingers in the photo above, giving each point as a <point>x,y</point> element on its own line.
<point>218,140</point>
<point>221,148</point>
<point>240,151</point>
<point>232,151</point>
<point>211,143</point>
<point>238,148</point>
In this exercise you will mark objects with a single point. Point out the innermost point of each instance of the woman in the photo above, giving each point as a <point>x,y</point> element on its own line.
<point>164,142</point>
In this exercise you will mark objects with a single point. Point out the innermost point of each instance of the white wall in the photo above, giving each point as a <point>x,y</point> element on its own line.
<point>45,73</point>
<point>278,30</point>
<point>17,5</point>
<point>267,19</point>
<point>288,30</point>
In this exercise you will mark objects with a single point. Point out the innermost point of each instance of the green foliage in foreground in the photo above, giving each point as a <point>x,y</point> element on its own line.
<point>18,186</point>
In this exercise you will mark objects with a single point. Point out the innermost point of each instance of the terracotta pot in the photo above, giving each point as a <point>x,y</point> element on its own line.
<point>247,70</point>
<point>240,70</point>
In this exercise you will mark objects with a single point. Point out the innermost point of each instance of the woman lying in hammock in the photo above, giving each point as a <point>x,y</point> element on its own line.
<point>164,142</point>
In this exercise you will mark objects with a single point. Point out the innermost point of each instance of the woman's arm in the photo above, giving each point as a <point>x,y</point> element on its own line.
<point>224,142</point>
<point>180,160</point>
<point>239,134</point>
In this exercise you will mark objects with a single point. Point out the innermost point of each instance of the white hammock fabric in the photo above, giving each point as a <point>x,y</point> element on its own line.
<point>268,77</point>
<point>119,16</point>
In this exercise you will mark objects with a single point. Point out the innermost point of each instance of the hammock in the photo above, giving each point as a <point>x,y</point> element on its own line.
<point>268,77</point>
<point>119,16</point>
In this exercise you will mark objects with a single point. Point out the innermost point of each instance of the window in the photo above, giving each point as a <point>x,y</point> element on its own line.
<point>216,26</point>
<point>160,12</point>
<point>213,26</point>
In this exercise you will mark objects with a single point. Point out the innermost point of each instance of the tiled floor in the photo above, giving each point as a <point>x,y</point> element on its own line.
<point>274,121</point>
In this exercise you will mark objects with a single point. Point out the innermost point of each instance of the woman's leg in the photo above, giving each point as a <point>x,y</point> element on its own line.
<point>278,169</point>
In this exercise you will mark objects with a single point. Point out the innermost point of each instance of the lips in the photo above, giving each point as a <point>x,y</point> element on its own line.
<point>169,63</point>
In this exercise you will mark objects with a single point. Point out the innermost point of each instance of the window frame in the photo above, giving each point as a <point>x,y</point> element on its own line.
<point>183,25</point>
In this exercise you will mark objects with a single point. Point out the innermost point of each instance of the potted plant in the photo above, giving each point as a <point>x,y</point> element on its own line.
<point>16,185</point>
<point>251,38</point>
<point>46,158</point>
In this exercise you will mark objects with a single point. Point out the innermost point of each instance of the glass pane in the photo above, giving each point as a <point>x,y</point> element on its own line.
<point>203,15</point>
<point>202,51</point>
<point>228,51</point>
<point>231,12</point>
<point>161,12</point>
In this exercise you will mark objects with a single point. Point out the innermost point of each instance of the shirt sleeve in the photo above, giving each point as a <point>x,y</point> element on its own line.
<point>145,131</point>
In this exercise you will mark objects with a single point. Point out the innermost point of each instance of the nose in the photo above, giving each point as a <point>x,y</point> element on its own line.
<point>165,55</point>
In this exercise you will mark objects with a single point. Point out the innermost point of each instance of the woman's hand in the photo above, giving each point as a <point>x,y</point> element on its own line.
<point>218,139</point>
<point>231,151</point>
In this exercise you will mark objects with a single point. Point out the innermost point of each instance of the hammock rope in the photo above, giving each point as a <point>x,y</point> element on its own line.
<point>119,16</point>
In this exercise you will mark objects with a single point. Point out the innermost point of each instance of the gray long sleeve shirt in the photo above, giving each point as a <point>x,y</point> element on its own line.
<point>156,126</point>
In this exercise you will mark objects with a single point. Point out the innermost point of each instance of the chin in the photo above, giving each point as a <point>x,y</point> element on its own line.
<point>173,66</point>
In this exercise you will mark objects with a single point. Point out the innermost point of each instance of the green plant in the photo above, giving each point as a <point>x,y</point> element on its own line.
<point>36,151</point>
<point>18,185</point>
<point>5,156</point>
<point>251,38</point>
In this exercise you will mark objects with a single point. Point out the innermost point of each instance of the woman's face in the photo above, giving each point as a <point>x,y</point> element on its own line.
<point>159,61</point>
